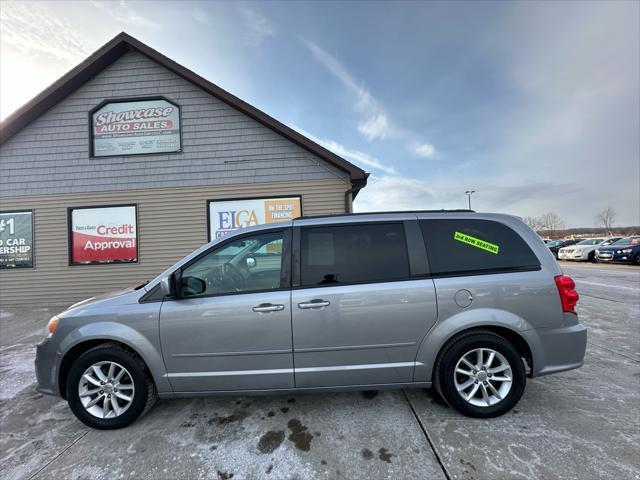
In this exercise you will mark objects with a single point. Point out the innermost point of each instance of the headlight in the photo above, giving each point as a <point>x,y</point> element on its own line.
<point>51,326</point>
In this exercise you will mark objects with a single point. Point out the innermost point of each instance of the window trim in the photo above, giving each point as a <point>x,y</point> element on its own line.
<point>285,264</point>
<point>70,210</point>
<point>296,257</point>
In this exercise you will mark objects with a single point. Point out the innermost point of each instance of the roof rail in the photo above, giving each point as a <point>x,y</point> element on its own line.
<point>456,210</point>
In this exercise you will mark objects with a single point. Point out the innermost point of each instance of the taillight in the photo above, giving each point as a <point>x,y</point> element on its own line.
<point>568,295</point>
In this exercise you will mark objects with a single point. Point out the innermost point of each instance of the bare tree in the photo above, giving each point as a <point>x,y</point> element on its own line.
<point>533,222</point>
<point>606,218</point>
<point>552,222</point>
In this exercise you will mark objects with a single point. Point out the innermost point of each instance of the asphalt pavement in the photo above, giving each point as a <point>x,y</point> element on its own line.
<point>583,424</point>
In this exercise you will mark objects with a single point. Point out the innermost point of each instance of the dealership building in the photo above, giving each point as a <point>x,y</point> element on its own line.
<point>131,161</point>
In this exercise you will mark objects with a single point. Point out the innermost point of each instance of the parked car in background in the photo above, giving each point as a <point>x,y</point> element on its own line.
<point>558,244</point>
<point>585,250</point>
<point>469,303</point>
<point>625,250</point>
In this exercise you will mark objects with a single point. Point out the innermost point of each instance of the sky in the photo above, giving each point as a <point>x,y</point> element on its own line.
<point>534,105</point>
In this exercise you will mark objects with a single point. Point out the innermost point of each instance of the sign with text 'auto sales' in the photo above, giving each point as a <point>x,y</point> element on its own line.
<point>104,235</point>
<point>137,127</point>
<point>226,216</point>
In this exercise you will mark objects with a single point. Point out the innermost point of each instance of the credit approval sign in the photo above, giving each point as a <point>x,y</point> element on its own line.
<point>104,235</point>
<point>227,216</point>
<point>135,127</point>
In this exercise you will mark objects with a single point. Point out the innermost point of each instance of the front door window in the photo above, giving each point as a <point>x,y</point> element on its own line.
<point>250,264</point>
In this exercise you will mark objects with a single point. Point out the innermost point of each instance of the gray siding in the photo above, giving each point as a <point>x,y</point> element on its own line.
<point>220,144</point>
<point>172,222</point>
<point>225,154</point>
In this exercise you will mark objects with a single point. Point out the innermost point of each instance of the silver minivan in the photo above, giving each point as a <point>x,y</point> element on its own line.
<point>469,303</point>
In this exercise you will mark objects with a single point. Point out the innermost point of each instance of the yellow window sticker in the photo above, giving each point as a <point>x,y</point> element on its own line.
<point>476,242</point>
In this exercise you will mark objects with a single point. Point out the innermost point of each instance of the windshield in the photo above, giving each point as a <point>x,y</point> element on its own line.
<point>555,243</point>
<point>628,241</point>
<point>591,241</point>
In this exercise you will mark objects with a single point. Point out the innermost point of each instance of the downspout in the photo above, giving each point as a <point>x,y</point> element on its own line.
<point>347,203</point>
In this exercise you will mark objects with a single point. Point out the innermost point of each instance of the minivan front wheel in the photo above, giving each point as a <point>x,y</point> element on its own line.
<point>480,374</point>
<point>108,387</point>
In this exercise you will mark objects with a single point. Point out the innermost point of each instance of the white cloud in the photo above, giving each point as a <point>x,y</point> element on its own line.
<point>200,16</point>
<point>374,124</point>
<point>260,27</point>
<point>31,30</point>
<point>424,150</point>
<point>123,13</point>
<point>374,127</point>
<point>357,157</point>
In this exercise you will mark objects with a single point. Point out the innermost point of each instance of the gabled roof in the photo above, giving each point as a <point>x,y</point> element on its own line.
<point>123,43</point>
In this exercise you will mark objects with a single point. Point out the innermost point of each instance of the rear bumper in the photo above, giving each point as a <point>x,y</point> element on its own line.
<point>556,350</point>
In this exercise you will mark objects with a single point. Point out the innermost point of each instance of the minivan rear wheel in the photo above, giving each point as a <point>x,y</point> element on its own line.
<point>108,387</point>
<point>480,374</point>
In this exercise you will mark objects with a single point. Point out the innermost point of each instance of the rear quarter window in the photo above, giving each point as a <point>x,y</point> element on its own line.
<point>475,246</point>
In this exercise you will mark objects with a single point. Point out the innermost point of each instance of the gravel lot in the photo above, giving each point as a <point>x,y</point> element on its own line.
<point>582,424</point>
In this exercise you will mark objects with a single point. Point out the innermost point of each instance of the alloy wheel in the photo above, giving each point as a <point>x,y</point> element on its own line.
<point>483,377</point>
<point>106,389</point>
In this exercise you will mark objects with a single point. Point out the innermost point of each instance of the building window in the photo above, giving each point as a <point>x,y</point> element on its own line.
<point>16,239</point>
<point>99,235</point>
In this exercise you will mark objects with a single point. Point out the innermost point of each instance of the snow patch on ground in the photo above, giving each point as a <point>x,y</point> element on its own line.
<point>16,370</point>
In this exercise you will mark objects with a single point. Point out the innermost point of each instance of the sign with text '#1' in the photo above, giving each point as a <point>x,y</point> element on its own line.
<point>226,216</point>
<point>16,239</point>
<point>136,127</point>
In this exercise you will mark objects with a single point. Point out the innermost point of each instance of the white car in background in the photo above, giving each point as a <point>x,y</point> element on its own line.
<point>585,250</point>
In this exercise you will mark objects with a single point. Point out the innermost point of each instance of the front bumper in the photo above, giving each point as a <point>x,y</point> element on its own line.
<point>577,256</point>
<point>556,350</point>
<point>614,257</point>
<point>46,366</point>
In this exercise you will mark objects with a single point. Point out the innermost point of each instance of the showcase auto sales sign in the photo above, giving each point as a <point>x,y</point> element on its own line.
<point>130,128</point>
<point>104,235</point>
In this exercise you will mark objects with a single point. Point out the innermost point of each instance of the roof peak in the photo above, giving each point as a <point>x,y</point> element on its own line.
<point>124,42</point>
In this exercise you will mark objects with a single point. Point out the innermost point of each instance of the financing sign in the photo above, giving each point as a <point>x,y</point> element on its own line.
<point>229,215</point>
<point>131,128</point>
<point>104,235</point>
<point>16,239</point>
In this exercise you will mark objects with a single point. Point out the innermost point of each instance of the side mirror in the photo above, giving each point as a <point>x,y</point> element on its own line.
<point>251,262</point>
<point>192,286</point>
<point>168,286</point>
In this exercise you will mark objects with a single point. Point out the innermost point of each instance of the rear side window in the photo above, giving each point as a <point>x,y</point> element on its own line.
<point>469,246</point>
<point>353,254</point>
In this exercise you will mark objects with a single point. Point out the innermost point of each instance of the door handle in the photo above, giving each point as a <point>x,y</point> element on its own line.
<point>317,303</point>
<point>267,307</point>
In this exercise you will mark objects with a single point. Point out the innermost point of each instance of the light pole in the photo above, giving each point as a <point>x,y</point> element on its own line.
<point>469,193</point>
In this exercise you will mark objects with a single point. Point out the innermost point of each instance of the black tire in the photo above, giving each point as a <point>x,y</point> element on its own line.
<point>592,257</point>
<point>636,259</point>
<point>458,347</point>
<point>145,392</point>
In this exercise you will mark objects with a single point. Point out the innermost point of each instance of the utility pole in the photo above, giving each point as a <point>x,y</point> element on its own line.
<point>469,193</point>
